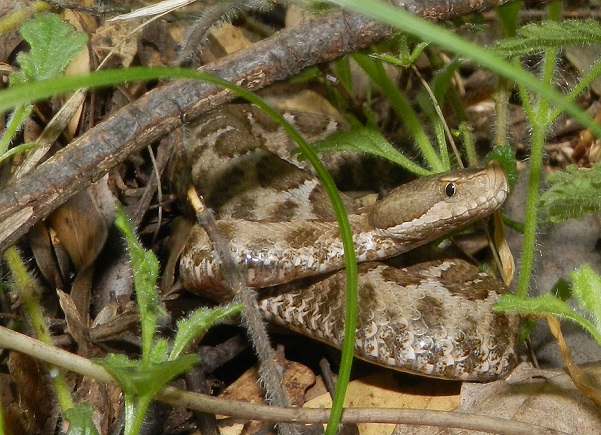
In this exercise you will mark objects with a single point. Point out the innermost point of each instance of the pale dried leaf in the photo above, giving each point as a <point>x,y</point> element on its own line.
<point>150,11</point>
<point>585,383</point>
<point>107,400</point>
<point>81,229</point>
<point>75,326</point>
<point>47,255</point>
<point>231,38</point>
<point>118,41</point>
<point>39,414</point>
<point>382,390</point>
<point>505,256</point>
<point>546,398</point>
<point>80,64</point>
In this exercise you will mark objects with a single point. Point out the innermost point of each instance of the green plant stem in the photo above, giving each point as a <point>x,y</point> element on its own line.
<point>377,74</point>
<point>28,291</point>
<point>508,19</point>
<point>502,108</point>
<point>529,241</point>
<point>468,144</point>
<point>130,413</point>
<point>540,124</point>
<point>12,20</point>
<point>137,413</point>
<point>15,122</point>
<point>16,150</point>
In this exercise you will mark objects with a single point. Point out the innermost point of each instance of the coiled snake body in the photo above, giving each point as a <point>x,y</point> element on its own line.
<point>433,319</point>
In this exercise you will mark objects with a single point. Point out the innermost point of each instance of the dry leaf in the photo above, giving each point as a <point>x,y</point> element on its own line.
<point>381,390</point>
<point>546,398</point>
<point>117,41</point>
<point>297,378</point>
<point>82,230</point>
<point>75,325</point>
<point>107,399</point>
<point>38,413</point>
<point>587,384</point>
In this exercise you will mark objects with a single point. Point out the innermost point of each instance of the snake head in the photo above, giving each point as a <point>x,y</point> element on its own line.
<point>430,207</point>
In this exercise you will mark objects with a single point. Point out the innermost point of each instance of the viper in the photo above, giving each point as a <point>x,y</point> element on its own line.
<point>434,319</point>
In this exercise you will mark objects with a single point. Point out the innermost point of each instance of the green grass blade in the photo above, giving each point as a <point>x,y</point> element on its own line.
<point>428,31</point>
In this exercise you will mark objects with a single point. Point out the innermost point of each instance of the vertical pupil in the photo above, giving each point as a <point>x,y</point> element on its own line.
<point>450,189</point>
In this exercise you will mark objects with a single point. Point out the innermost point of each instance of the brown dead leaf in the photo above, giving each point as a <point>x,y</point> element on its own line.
<point>51,259</point>
<point>546,398</point>
<point>588,385</point>
<point>180,230</point>
<point>500,242</point>
<point>11,413</point>
<point>75,325</point>
<point>231,38</point>
<point>82,230</point>
<point>297,378</point>
<point>382,390</point>
<point>157,47</point>
<point>107,400</point>
<point>38,414</point>
<point>116,43</point>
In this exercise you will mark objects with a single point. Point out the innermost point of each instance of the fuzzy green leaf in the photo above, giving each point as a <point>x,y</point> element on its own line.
<point>160,350</point>
<point>369,141</point>
<point>545,305</point>
<point>80,419</point>
<point>587,289</point>
<point>53,44</point>
<point>198,322</point>
<point>537,37</point>
<point>136,380</point>
<point>506,157</point>
<point>406,55</point>
<point>120,367</point>
<point>573,194</point>
<point>145,268</point>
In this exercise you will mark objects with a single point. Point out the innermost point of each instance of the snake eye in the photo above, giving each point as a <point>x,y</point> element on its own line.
<point>450,190</point>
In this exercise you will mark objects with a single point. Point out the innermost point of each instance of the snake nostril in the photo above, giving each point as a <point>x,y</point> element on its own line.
<point>450,190</point>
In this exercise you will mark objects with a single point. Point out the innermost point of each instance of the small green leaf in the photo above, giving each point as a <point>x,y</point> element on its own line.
<point>370,141</point>
<point>587,290</point>
<point>537,37</point>
<point>53,44</point>
<point>159,375</point>
<point>145,268</point>
<point>405,57</point>
<point>136,380</point>
<point>80,419</point>
<point>120,367</point>
<point>159,351</point>
<point>573,194</point>
<point>198,322</point>
<point>545,305</point>
<point>506,157</point>
<point>562,289</point>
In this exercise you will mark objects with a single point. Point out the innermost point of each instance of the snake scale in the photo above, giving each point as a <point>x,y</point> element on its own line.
<point>432,319</point>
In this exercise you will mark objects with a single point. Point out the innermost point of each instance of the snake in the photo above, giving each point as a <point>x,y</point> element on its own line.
<point>434,319</point>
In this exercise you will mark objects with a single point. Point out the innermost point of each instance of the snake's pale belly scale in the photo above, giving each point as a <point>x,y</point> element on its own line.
<point>434,319</point>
